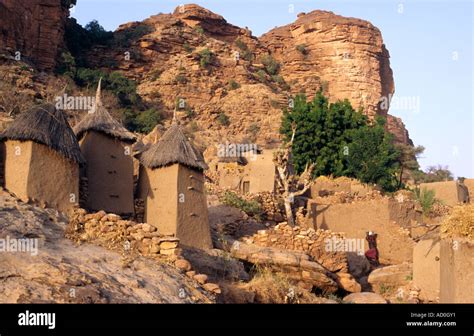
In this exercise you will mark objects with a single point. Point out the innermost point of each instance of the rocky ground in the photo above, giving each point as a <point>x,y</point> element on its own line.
<point>63,271</point>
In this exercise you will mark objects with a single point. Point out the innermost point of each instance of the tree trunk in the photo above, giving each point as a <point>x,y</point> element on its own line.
<point>289,212</point>
<point>401,178</point>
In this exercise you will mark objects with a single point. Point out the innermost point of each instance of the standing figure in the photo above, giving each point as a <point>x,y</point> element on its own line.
<point>372,254</point>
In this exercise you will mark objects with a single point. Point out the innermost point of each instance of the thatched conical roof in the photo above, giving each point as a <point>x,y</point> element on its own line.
<point>173,147</point>
<point>98,119</point>
<point>47,125</point>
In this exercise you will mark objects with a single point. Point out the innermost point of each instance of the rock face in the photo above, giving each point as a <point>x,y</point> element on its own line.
<point>390,276</point>
<point>397,128</point>
<point>344,56</point>
<point>346,53</point>
<point>35,28</point>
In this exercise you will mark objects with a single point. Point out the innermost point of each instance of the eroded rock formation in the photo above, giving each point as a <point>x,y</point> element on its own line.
<point>34,28</point>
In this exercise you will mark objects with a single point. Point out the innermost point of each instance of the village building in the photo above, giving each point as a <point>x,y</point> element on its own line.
<point>171,183</point>
<point>107,149</point>
<point>42,158</point>
<point>252,173</point>
<point>449,192</point>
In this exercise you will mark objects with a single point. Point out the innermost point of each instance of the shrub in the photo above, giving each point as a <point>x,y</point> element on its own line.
<point>271,65</point>
<point>205,58</point>
<point>67,65</point>
<point>253,130</point>
<point>124,88</point>
<point>125,37</point>
<point>241,45</point>
<point>187,48</point>
<point>233,85</point>
<point>199,30</point>
<point>147,120</point>
<point>190,113</point>
<point>97,33</point>
<point>275,104</point>
<point>251,208</point>
<point>261,76</point>
<point>302,49</point>
<point>193,126</point>
<point>280,81</point>
<point>426,198</point>
<point>223,119</point>
<point>181,79</point>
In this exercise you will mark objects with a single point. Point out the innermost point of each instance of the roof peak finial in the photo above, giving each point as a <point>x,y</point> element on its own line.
<point>175,119</point>
<point>98,100</point>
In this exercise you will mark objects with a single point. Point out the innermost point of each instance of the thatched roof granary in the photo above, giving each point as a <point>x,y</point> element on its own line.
<point>171,182</point>
<point>173,147</point>
<point>42,158</point>
<point>98,119</point>
<point>107,147</point>
<point>46,125</point>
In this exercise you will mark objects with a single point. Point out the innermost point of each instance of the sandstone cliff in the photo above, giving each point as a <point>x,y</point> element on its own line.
<point>346,53</point>
<point>166,55</point>
<point>344,56</point>
<point>35,28</point>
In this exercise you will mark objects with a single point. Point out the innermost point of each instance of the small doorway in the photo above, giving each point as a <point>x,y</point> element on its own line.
<point>246,187</point>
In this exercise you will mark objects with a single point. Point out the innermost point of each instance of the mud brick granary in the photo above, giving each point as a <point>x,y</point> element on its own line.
<point>107,148</point>
<point>172,186</point>
<point>42,158</point>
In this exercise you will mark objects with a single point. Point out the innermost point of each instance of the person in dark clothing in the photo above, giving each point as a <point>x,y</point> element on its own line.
<point>372,254</point>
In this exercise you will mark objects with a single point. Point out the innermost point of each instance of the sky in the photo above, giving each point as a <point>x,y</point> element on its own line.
<point>431,55</point>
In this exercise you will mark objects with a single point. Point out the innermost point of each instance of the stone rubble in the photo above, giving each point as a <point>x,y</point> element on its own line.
<point>131,239</point>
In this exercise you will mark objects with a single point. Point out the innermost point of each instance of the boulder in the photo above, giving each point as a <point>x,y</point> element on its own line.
<point>201,278</point>
<point>183,265</point>
<point>348,283</point>
<point>364,297</point>
<point>391,276</point>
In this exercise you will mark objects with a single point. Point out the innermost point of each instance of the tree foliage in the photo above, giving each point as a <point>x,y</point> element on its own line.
<point>372,157</point>
<point>340,141</point>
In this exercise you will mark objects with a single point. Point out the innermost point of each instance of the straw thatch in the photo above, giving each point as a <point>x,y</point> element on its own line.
<point>98,119</point>
<point>173,147</point>
<point>46,125</point>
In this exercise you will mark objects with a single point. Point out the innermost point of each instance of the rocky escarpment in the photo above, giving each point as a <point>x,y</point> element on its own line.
<point>344,56</point>
<point>34,28</point>
<point>346,53</point>
<point>216,67</point>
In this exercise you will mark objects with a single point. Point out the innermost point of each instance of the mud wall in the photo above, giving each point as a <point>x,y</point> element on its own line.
<point>385,216</point>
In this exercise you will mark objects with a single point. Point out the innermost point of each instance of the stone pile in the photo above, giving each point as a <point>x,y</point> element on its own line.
<point>131,239</point>
<point>310,241</point>
<point>111,231</point>
<point>272,208</point>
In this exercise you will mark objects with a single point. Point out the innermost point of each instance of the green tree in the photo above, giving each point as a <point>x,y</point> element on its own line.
<point>371,156</point>
<point>321,133</point>
<point>97,33</point>
<point>340,141</point>
<point>407,160</point>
